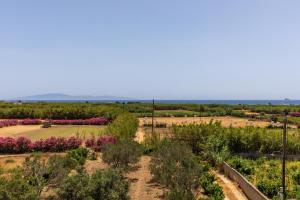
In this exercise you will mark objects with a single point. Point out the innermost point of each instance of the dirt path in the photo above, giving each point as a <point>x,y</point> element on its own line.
<point>140,135</point>
<point>141,186</point>
<point>230,189</point>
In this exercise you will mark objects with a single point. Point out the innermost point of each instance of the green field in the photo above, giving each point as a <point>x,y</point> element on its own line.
<point>83,131</point>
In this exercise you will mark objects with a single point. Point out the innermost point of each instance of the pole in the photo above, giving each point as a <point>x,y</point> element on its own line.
<point>152,116</point>
<point>284,156</point>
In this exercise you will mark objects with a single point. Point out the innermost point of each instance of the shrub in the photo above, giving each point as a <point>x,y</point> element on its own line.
<point>99,143</point>
<point>108,184</point>
<point>179,194</point>
<point>47,124</point>
<point>8,145</point>
<point>75,187</point>
<point>30,122</point>
<point>17,188</point>
<point>122,154</point>
<point>270,188</point>
<point>6,123</point>
<point>124,126</point>
<point>296,176</point>
<point>241,165</point>
<point>211,188</point>
<point>79,155</point>
<point>92,121</point>
<point>103,184</point>
<point>23,145</point>
<point>174,165</point>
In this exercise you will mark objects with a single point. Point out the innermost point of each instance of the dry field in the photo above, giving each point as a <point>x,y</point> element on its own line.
<point>225,121</point>
<point>36,132</point>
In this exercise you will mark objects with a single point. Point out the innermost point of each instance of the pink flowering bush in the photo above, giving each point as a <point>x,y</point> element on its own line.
<point>54,144</point>
<point>98,144</point>
<point>30,122</point>
<point>9,122</point>
<point>8,145</point>
<point>92,121</point>
<point>25,145</point>
<point>295,114</point>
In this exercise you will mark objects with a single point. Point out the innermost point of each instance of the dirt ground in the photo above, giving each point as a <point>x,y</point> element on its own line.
<point>141,186</point>
<point>230,189</point>
<point>225,121</point>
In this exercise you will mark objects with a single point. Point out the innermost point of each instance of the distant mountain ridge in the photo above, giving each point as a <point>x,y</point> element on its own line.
<point>65,97</point>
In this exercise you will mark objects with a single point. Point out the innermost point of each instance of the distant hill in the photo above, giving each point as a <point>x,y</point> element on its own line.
<point>65,97</point>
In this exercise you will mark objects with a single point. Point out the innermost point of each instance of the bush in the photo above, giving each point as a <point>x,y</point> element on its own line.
<point>103,184</point>
<point>8,145</point>
<point>241,165</point>
<point>17,188</point>
<point>75,187</point>
<point>98,144</point>
<point>23,145</point>
<point>271,188</point>
<point>92,121</point>
<point>179,194</point>
<point>122,154</point>
<point>211,188</point>
<point>124,126</point>
<point>79,155</point>
<point>108,184</point>
<point>30,122</point>
<point>174,165</point>
<point>47,125</point>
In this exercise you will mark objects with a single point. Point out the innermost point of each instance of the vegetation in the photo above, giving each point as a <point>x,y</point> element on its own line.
<point>266,175</point>
<point>123,154</point>
<point>44,110</point>
<point>124,126</point>
<point>175,166</point>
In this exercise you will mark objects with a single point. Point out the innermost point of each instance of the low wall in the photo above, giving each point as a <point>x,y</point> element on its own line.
<point>250,191</point>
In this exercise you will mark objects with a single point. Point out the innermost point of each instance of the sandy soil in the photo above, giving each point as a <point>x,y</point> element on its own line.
<point>141,186</point>
<point>140,135</point>
<point>226,121</point>
<point>92,165</point>
<point>230,189</point>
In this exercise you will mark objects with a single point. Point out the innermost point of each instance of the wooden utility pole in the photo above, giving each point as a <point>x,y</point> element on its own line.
<point>152,116</point>
<point>284,155</point>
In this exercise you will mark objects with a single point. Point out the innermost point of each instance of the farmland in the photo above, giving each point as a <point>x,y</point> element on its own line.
<point>144,163</point>
<point>36,132</point>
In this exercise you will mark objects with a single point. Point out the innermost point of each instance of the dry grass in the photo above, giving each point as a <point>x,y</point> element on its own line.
<point>225,121</point>
<point>8,162</point>
<point>35,132</point>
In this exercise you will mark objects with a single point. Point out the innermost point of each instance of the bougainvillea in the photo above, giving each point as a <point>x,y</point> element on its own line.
<point>25,145</point>
<point>99,143</point>
<point>7,145</point>
<point>9,122</point>
<point>295,114</point>
<point>30,122</point>
<point>92,121</point>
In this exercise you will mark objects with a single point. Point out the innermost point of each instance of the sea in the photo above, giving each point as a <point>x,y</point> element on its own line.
<point>226,102</point>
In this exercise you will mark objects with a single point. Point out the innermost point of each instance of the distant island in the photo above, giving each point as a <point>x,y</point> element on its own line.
<point>65,97</point>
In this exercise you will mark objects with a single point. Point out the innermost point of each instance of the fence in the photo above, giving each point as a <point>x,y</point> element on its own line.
<point>250,191</point>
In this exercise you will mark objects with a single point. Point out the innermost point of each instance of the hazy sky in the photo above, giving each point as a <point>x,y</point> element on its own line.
<point>163,49</point>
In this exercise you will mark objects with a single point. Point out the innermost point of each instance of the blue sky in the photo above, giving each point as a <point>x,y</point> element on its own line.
<point>144,49</point>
